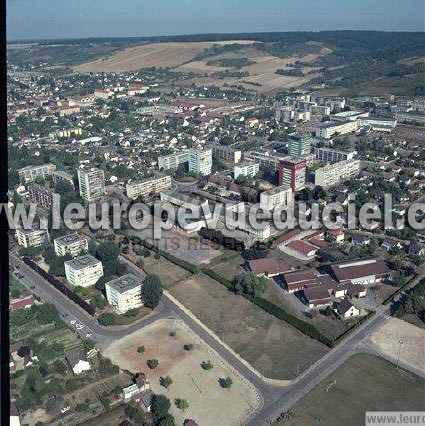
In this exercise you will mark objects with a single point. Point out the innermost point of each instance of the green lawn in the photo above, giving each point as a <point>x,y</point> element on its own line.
<point>363,383</point>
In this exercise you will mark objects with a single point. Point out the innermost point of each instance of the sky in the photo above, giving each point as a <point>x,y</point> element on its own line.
<point>50,19</point>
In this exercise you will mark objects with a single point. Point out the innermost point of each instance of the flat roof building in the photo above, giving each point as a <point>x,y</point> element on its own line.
<point>125,292</point>
<point>245,168</point>
<point>147,187</point>
<point>91,183</point>
<point>32,237</point>
<point>72,244</point>
<point>31,173</point>
<point>83,271</point>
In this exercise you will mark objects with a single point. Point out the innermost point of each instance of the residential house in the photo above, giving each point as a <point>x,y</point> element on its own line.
<point>77,360</point>
<point>346,309</point>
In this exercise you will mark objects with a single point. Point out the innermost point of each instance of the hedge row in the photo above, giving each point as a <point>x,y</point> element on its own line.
<point>61,287</point>
<point>278,312</point>
<point>212,274</point>
<point>391,297</point>
<point>194,269</point>
<point>305,327</point>
<point>350,330</point>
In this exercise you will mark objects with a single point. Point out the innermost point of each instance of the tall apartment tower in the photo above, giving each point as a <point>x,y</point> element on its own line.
<point>200,160</point>
<point>91,183</point>
<point>292,173</point>
<point>299,144</point>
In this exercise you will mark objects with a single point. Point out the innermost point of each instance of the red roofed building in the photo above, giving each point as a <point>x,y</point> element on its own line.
<point>288,237</point>
<point>298,280</point>
<point>303,248</point>
<point>26,302</point>
<point>268,267</point>
<point>316,296</point>
<point>362,271</point>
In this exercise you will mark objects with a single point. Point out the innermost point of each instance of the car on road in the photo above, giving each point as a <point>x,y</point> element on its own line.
<point>88,335</point>
<point>65,409</point>
<point>32,287</point>
<point>64,315</point>
<point>73,321</point>
<point>79,326</point>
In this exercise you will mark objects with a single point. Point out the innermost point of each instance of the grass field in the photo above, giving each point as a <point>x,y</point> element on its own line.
<point>272,346</point>
<point>167,271</point>
<point>363,383</point>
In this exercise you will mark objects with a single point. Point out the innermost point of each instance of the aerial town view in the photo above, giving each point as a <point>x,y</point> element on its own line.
<point>215,213</point>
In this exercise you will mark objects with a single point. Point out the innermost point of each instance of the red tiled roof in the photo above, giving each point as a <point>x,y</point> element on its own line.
<point>268,265</point>
<point>21,303</point>
<point>302,247</point>
<point>316,293</point>
<point>289,235</point>
<point>347,271</point>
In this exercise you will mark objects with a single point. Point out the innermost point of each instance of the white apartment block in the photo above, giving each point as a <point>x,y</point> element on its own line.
<point>348,116</point>
<point>334,173</point>
<point>245,168</point>
<point>337,128</point>
<point>200,160</point>
<point>91,183</point>
<point>299,145</point>
<point>147,187</point>
<point>265,160</point>
<point>330,155</point>
<point>320,109</point>
<point>32,237</point>
<point>172,161</point>
<point>31,173</point>
<point>379,124</point>
<point>125,292</point>
<point>83,271</point>
<point>276,197</point>
<point>72,244</point>
<point>227,153</point>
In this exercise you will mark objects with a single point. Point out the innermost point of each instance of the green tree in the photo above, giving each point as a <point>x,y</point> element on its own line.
<point>151,291</point>
<point>107,319</point>
<point>182,404</point>
<point>188,347</point>
<point>152,363</point>
<point>226,383</point>
<point>141,349</point>
<point>167,420</point>
<point>160,406</point>
<point>165,381</point>
<point>250,284</point>
<point>206,365</point>
<point>107,251</point>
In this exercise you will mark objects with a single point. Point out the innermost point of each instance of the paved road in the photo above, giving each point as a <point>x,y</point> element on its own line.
<point>274,399</point>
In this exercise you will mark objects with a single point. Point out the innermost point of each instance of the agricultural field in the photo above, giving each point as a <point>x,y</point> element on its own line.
<point>165,341</point>
<point>151,55</point>
<point>363,383</point>
<point>273,347</point>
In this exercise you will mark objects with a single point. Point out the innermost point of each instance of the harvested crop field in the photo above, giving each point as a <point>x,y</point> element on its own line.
<point>151,55</point>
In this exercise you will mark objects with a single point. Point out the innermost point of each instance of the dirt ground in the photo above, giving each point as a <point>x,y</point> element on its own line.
<point>209,404</point>
<point>271,346</point>
<point>394,331</point>
<point>151,55</point>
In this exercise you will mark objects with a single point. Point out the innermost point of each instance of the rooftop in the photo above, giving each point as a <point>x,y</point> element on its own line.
<point>82,262</point>
<point>125,283</point>
<point>69,239</point>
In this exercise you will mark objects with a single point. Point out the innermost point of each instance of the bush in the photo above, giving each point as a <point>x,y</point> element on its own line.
<point>188,347</point>
<point>141,349</point>
<point>152,363</point>
<point>107,319</point>
<point>182,404</point>
<point>166,381</point>
<point>226,383</point>
<point>206,365</point>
